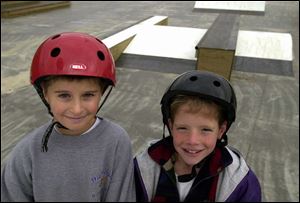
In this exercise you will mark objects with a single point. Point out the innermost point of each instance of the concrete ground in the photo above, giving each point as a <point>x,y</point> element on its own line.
<point>267,126</point>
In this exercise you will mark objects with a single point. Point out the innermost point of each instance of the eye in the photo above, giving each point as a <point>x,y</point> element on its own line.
<point>64,96</point>
<point>207,130</point>
<point>181,129</point>
<point>88,95</point>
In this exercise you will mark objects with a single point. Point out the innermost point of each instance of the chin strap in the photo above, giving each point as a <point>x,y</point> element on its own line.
<point>164,130</point>
<point>48,133</point>
<point>105,98</point>
<point>223,141</point>
<point>46,136</point>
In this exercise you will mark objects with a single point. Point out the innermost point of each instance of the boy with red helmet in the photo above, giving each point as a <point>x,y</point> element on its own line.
<point>194,164</point>
<point>77,156</point>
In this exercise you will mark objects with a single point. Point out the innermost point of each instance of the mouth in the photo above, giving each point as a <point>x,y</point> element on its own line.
<point>191,151</point>
<point>75,119</point>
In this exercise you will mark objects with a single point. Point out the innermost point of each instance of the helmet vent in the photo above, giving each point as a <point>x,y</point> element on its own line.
<point>193,78</point>
<point>217,83</point>
<point>100,55</point>
<point>55,52</point>
<point>56,36</point>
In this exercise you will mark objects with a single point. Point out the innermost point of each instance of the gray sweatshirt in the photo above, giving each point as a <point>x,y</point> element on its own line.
<point>96,166</point>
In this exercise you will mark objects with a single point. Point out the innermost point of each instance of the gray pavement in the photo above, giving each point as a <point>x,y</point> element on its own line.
<point>267,126</point>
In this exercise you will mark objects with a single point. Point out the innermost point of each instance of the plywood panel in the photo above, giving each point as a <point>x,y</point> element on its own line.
<point>217,61</point>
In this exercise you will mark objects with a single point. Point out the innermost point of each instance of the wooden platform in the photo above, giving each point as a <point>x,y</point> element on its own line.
<point>172,49</point>
<point>11,9</point>
<point>216,50</point>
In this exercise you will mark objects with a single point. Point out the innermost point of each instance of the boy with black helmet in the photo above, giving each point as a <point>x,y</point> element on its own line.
<point>77,156</point>
<point>194,163</point>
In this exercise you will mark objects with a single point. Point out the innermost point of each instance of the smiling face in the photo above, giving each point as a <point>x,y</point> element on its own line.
<point>195,129</point>
<point>74,103</point>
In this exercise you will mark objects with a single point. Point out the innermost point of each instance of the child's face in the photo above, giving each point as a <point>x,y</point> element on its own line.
<point>74,103</point>
<point>194,134</point>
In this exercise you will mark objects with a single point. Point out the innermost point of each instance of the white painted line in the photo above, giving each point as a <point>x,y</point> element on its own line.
<point>258,6</point>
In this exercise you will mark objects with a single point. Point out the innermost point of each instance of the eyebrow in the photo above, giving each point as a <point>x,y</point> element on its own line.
<point>64,91</point>
<point>186,124</point>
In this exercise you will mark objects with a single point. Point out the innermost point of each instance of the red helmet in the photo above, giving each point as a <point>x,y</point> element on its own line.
<point>73,53</point>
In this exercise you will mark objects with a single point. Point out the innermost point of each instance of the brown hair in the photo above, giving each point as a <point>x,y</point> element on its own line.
<point>47,81</point>
<point>197,104</point>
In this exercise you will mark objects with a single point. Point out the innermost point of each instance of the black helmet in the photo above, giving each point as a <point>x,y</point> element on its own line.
<point>203,84</point>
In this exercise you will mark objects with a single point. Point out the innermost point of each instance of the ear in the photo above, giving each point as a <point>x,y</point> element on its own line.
<point>222,129</point>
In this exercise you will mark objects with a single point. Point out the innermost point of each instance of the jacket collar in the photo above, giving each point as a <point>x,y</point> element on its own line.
<point>163,153</point>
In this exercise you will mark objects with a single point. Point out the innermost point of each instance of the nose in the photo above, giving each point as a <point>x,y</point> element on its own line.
<point>76,107</point>
<point>193,137</point>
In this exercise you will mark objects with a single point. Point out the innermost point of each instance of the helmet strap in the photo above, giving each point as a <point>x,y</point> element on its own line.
<point>48,133</point>
<point>105,98</point>
<point>223,141</point>
<point>164,130</point>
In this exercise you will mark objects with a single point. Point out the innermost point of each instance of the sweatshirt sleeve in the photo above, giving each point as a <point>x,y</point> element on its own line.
<point>122,187</point>
<point>248,190</point>
<point>16,182</point>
